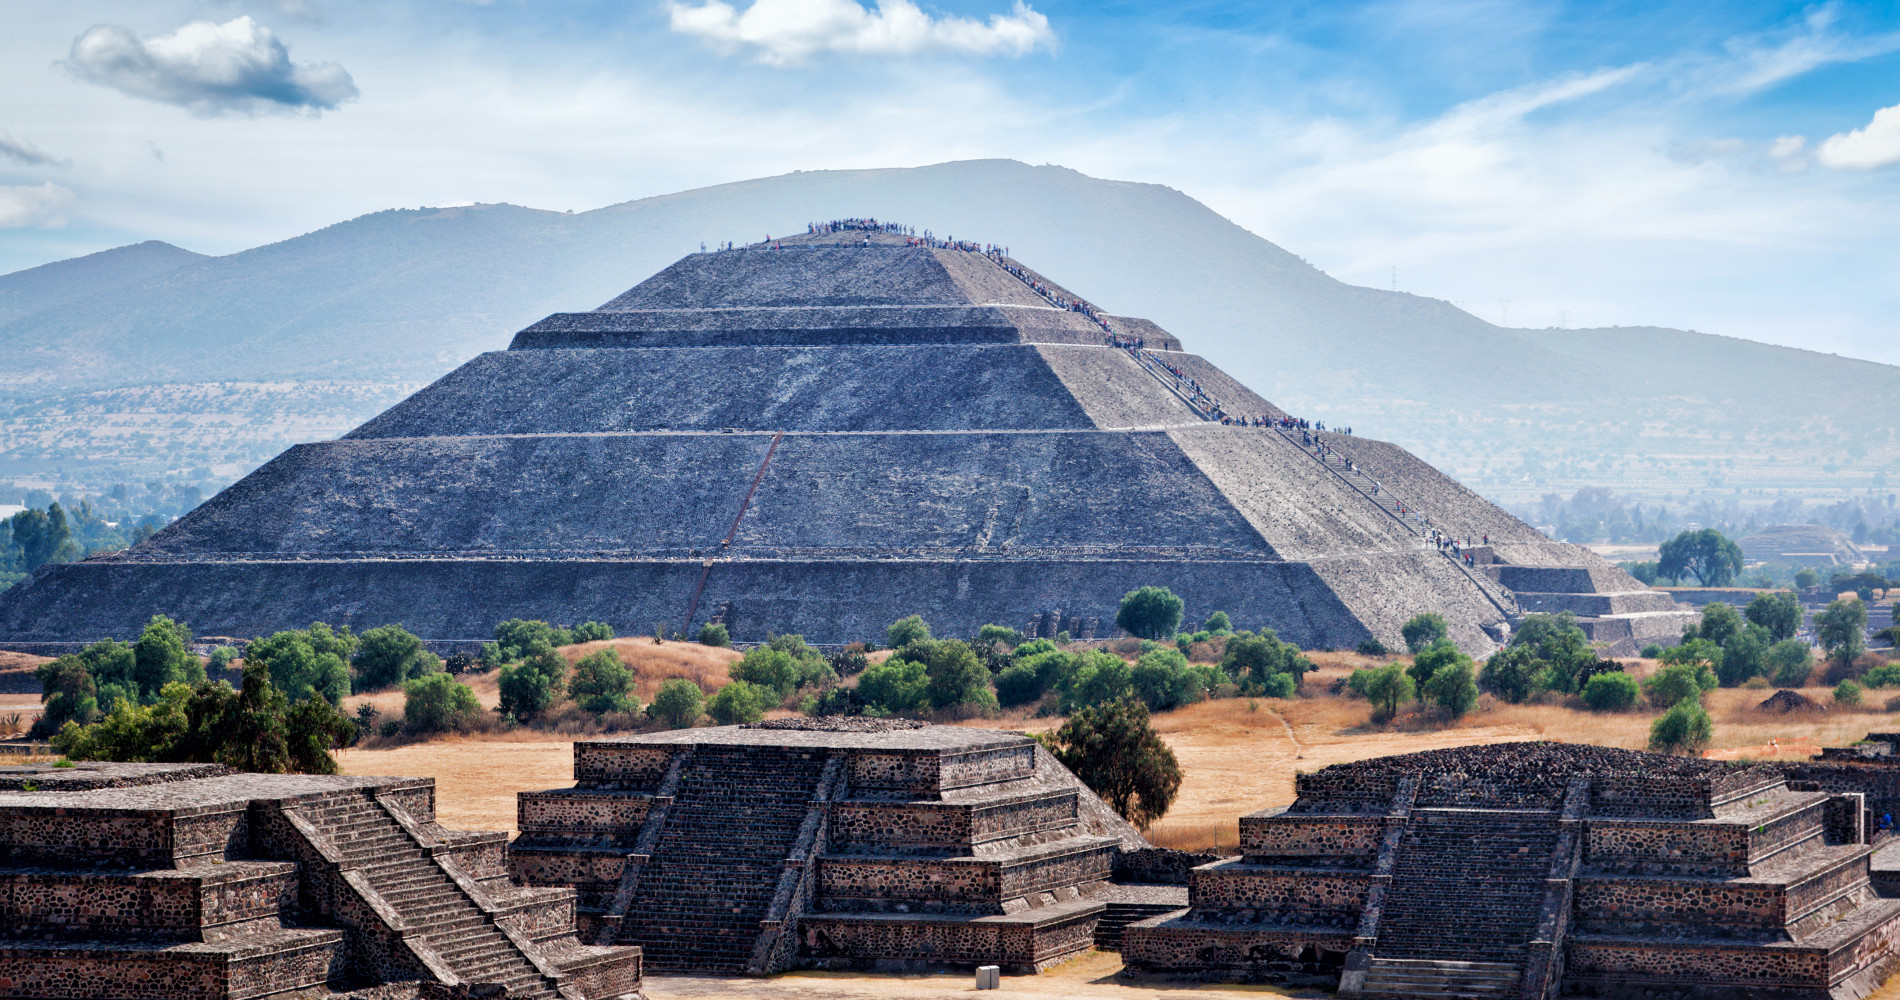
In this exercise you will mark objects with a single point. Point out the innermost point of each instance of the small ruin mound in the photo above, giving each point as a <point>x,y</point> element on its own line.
<point>1785,701</point>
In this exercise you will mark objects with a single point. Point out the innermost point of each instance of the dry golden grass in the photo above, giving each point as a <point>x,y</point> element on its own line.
<point>1093,975</point>
<point>475,779</point>
<point>653,665</point>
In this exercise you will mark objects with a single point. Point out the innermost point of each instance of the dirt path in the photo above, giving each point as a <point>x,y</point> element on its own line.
<point>1094,976</point>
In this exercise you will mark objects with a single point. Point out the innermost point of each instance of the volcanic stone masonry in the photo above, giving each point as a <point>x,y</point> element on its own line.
<point>828,843</point>
<point>821,435</point>
<point>1541,870</point>
<point>192,882</point>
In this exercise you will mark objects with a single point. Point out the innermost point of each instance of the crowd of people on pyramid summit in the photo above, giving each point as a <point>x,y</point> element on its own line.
<point>867,225</point>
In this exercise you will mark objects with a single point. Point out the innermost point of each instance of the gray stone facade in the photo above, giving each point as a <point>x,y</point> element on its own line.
<point>821,439</point>
<point>839,843</point>
<point>190,882</point>
<point>1542,870</point>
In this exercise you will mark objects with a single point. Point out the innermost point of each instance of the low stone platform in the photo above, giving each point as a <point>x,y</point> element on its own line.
<point>1542,870</point>
<point>846,843</point>
<point>193,882</point>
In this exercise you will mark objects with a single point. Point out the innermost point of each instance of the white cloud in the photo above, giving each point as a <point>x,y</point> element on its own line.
<point>43,206</point>
<point>1877,145</point>
<point>788,32</point>
<point>15,148</point>
<point>208,68</point>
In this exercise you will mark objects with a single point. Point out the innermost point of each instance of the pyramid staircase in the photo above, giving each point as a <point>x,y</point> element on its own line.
<point>370,840</point>
<point>712,878</point>
<point>1468,887</point>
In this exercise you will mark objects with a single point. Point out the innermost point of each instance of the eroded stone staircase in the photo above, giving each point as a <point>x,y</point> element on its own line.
<point>711,879</point>
<point>1468,887</point>
<point>369,839</point>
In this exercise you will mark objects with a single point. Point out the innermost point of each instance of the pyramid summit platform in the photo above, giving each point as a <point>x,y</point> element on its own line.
<point>820,435</point>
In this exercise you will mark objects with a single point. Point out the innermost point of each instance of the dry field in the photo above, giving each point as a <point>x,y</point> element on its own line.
<point>1094,975</point>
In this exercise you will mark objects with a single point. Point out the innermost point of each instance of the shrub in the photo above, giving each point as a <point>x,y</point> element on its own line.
<point>1744,655</point>
<point>1017,685</point>
<point>1115,751</point>
<point>1251,659</point>
<point>1433,658</point>
<point>1278,686</point>
<point>770,669</point>
<point>1095,678</point>
<point>1612,691</point>
<point>1790,662</point>
<point>1217,624</point>
<point>602,684</point>
<point>366,716</point>
<point>68,692</point>
<point>593,632</point>
<point>905,631</point>
<point>714,634</point>
<point>162,655</point>
<point>305,663</point>
<point>1684,729</point>
<point>1651,651</point>
<point>999,634</point>
<point>1373,647</point>
<point>958,680</point>
<point>438,703</point>
<point>1511,673</point>
<point>894,687</point>
<point>1720,623</point>
<point>1847,693</point>
<point>1163,680</point>
<point>850,661</point>
<point>1388,688</point>
<point>1841,630</point>
<point>1560,645</point>
<point>222,657</point>
<point>1150,613</point>
<point>739,702</point>
<point>389,728</point>
<point>1885,675</point>
<point>529,687</point>
<point>678,704</point>
<point>516,638</point>
<point>1033,647</point>
<point>1676,682</point>
<point>1452,688</point>
<point>389,655</point>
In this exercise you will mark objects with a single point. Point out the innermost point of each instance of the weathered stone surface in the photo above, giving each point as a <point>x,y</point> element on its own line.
<point>823,436</point>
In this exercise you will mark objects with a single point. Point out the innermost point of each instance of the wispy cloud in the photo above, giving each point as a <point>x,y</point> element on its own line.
<point>789,32</point>
<point>42,206</point>
<point>13,147</point>
<point>209,69</point>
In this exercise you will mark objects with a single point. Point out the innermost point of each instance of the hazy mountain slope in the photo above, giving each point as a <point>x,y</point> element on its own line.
<point>40,288</point>
<point>404,295</point>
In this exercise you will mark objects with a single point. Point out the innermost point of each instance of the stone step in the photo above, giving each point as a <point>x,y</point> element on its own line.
<point>1431,978</point>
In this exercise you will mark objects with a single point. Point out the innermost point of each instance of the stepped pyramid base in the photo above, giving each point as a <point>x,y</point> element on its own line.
<point>1021,943</point>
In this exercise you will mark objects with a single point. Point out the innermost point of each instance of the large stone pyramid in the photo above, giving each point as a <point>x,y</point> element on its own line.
<point>823,434</point>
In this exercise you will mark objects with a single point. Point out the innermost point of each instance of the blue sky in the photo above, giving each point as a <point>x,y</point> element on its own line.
<point>1730,167</point>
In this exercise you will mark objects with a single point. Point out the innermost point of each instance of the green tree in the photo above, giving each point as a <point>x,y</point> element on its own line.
<point>1841,630</point>
<point>1422,631</point>
<point>389,655</point>
<point>41,537</point>
<point>304,663</point>
<point>957,680</point>
<point>1707,554</point>
<point>678,704</point>
<point>895,687</point>
<point>1744,656</point>
<point>770,669</point>
<point>529,687</point>
<point>1388,688</point>
<point>1452,688</point>
<point>438,703</point>
<point>999,634</point>
<point>905,631</point>
<point>1561,649</point>
<point>1017,685</point>
<point>1150,613</point>
<point>1511,673</point>
<point>1805,578</point>
<point>68,692</point>
<point>1217,624</point>
<point>1677,681</point>
<point>601,683</point>
<point>518,637</point>
<point>1720,623</point>
<point>222,658</point>
<point>739,702</point>
<point>1610,691</point>
<point>1778,612</point>
<point>1163,680</point>
<point>1847,693</point>
<point>1096,678</point>
<point>714,634</point>
<point>163,656</point>
<point>1115,751</point>
<point>1684,729</point>
<point>1434,658</point>
<point>1883,676</point>
<point>1789,662</point>
<point>1253,660</point>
